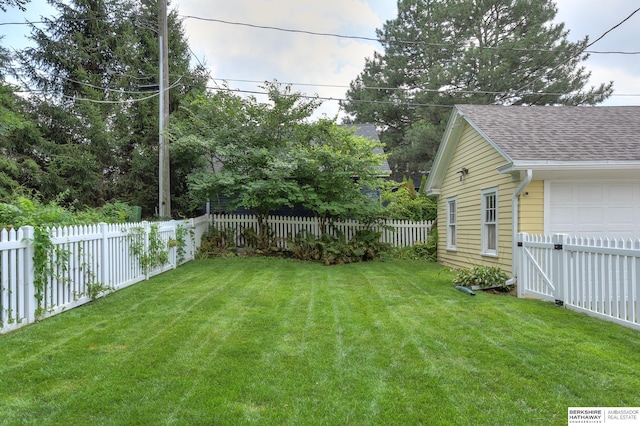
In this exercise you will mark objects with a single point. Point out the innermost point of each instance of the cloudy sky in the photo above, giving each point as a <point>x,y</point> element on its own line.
<point>244,56</point>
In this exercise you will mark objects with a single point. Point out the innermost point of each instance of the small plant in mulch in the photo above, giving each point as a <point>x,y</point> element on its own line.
<point>482,277</point>
<point>218,243</point>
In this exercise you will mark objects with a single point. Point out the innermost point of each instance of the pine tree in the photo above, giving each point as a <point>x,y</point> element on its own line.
<point>94,63</point>
<point>20,4</point>
<point>440,52</point>
<point>18,152</point>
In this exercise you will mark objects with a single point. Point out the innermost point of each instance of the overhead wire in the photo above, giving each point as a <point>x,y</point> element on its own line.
<point>104,101</point>
<point>403,89</point>
<point>611,29</point>
<point>397,41</point>
<point>325,98</point>
<point>365,38</point>
<point>585,50</point>
<point>289,30</point>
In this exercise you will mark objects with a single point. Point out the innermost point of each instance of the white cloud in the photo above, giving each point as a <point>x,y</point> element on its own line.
<point>626,82</point>
<point>595,18</point>
<point>241,52</point>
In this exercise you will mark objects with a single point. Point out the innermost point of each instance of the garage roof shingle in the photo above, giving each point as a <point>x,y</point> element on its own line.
<point>563,133</point>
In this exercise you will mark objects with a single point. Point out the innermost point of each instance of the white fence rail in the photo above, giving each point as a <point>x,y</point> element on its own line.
<point>598,276</point>
<point>397,233</point>
<point>84,262</point>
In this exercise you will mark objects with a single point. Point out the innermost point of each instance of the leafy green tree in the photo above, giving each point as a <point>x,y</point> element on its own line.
<point>403,202</point>
<point>337,171</point>
<point>438,53</point>
<point>245,149</point>
<point>263,156</point>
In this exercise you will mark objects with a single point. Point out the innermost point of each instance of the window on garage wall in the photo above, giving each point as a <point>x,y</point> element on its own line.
<point>489,210</point>
<point>452,219</point>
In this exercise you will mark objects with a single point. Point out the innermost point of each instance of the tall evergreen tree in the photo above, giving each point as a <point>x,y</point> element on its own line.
<point>94,63</point>
<point>20,4</point>
<point>19,164</point>
<point>137,124</point>
<point>72,63</point>
<point>440,52</point>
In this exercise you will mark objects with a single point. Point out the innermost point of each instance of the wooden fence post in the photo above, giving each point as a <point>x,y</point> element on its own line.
<point>173,251</point>
<point>147,230</point>
<point>28,277</point>
<point>521,264</point>
<point>559,265</point>
<point>104,255</point>
<point>192,239</point>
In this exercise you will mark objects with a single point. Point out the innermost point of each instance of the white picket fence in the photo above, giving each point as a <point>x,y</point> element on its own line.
<point>85,262</point>
<point>598,276</point>
<point>395,232</point>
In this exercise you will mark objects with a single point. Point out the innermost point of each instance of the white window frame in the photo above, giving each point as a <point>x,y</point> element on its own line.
<point>452,222</point>
<point>489,222</point>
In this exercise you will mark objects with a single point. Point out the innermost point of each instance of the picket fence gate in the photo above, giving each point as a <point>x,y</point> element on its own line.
<point>398,233</point>
<point>85,262</point>
<point>597,276</point>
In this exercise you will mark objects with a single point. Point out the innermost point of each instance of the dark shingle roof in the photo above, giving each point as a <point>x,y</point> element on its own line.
<point>366,130</point>
<point>560,133</point>
<point>369,131</point>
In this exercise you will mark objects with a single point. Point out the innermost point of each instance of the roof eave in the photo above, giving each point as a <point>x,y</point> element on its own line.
<point>445,152</point>
<point>551,165</point>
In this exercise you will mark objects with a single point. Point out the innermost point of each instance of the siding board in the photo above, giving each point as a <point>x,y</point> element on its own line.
<point>482,161</point>
<point>531,212</point>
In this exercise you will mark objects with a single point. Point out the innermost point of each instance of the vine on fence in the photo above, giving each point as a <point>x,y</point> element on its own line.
<point>94,287</point>
<point>180,242</point>
<point>151,255</point>
<point>49,261</point>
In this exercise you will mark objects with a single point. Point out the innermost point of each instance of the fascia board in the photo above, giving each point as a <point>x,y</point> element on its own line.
<point>568,165</point>
<point>445,152</point>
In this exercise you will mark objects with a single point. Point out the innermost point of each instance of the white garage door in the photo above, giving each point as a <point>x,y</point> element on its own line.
<point>607,209</point>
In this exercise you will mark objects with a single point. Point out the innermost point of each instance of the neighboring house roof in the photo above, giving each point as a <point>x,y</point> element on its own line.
<point>369,131</point>
<point>547,137</point>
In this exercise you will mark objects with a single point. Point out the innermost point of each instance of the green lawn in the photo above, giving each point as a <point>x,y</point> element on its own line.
<point>273,341</point>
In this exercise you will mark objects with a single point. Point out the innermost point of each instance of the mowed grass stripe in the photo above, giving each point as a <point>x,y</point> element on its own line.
<point>273,341</point>
<point>503,348</point>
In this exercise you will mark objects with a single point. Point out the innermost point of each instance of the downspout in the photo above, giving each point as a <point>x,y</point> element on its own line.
<point>514,232</point>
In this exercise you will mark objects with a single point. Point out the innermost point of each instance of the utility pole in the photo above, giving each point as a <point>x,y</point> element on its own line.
<point>164,175</point>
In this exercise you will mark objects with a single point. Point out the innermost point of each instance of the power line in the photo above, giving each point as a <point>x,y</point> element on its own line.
<point>403,89</point>
<point>99,101</point>
<point>583,51</point>
<point>2,24</point>
<point>360,38</point>
<point>323,98</point>
<point>612,28</point>
<point>400,41</point>
<point>380,102</point>
<point>288,30</point>
<point>374,39</point>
